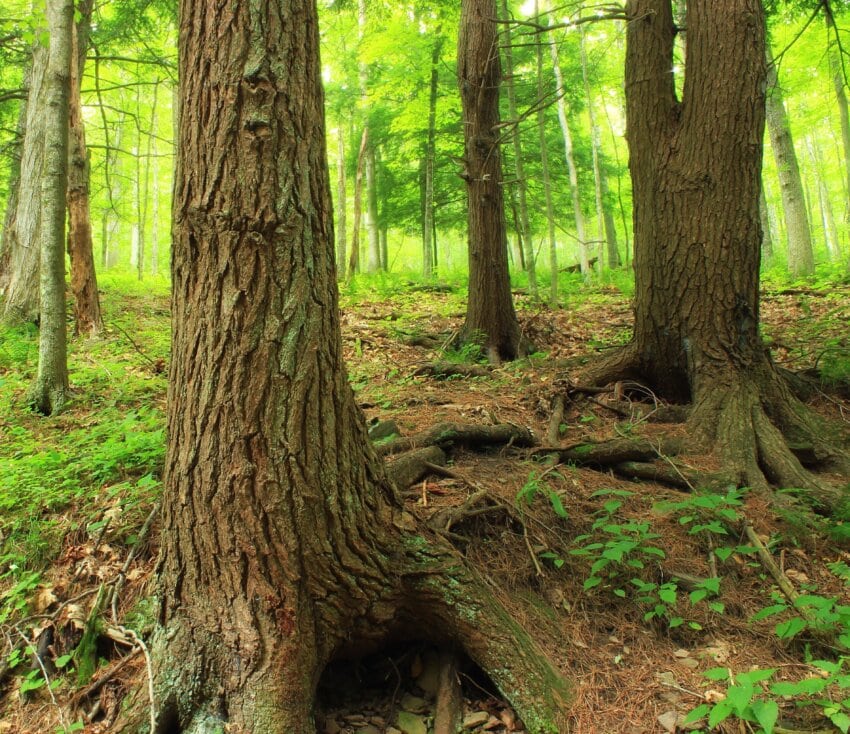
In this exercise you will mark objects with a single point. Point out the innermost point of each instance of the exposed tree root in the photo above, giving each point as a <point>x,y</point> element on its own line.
<point>453,369</point>
<point>453,434</point>
<point>449,704</point>
<point>613,452</point>
<point>762,431</point>
<point>414,465</point>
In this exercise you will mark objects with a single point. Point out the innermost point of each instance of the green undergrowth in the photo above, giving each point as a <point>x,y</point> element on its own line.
<point>624,556</point>
<point>60,474</point>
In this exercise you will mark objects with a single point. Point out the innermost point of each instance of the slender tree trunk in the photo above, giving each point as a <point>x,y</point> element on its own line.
<point>51,382</point>
<point>154,149</point>
<point>22,230</point>
<point>830,231</point>
<point>430,153</point>
<point>283,544</point>
<point>800,253</point>
<point>613,248</point>
<point>87,316</point>
<point>602,228</point>
<point>373,263</point>
<point>341,204</point>
<point>544,174</point>
<point>9,220</point>
<point>575,192</point>
<point>354,261</point>
<point>839,69</point>
<point>524,230</point>
<point>766,229</point>
<point>490,317</point>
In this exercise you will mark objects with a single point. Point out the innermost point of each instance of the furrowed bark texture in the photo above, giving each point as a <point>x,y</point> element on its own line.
<point>490,316</point>
<point>697,275</point>
<point>695,167</point>
<point>283,541</point>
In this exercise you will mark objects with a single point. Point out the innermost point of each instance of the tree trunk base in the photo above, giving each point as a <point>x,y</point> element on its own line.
<point>759,427</point>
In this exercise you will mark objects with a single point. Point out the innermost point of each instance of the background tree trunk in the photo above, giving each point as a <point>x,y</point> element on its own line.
<point>575,192</point>
<point>544,170</point>
<point>524,230</point>
<point>87,316</point>
<point>51,381</point>
<point>838,67</point>
<point>430,152</point>
<point>800,254</point>
<point>604,227</point>
<point>22,233</point>
<point>341,204</point>
<point>490,317</point>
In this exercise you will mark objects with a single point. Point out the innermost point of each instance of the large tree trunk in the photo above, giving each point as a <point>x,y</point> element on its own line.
<point>800,253</point>
<point>51,381</point>
<point>526,246</point>
<point>87,316</point>
<point>283,542</point>
<point>695,168</point>
<point>22,230</point>
<point>490,317</point>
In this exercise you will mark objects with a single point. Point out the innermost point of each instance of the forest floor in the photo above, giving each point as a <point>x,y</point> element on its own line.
<point>636,590</point>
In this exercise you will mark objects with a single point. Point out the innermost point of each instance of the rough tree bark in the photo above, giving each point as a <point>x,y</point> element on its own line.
<point>49,389</point>
<point>490,317</point>
<point>695,167</point>
<point>283,542</point>
<point>87,316</point>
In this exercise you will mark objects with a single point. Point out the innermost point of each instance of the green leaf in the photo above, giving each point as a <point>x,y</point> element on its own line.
<point>766,714</point>
<point>723,553</point>
<point>841,721</point>
<point>667,593</point>
<point>591,582</point>
<point>717,674</point>
<point>786,630</point>
<point>719,712</point>
<point>755,676</point>
<point>63,660</point>
<point>697,595</point>
<point>696,714</point>
<point>768,612</point>
<point>558,505</point>
<point>807,686</point>
<point>739,696</point>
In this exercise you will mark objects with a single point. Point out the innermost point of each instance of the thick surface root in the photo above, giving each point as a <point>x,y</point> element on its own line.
<point>758,425</point>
